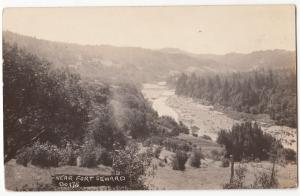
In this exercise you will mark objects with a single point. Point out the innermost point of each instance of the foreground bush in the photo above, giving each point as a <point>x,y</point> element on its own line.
<point>196,158</point>
<point>174,144</point>
<point>217,155</point>
<point>88,156</point>
<point>40,101</point>
<point>106,158</point>
<point>238,180</point>
<point>69,155</point>
<point>45,155</point>
<point>135,165</point>
<point>48,155</point>
<point>265,180</point>
<point>157,151</point>
<point>290,155</point>
<point>179,160</point>
<point>24,157</point>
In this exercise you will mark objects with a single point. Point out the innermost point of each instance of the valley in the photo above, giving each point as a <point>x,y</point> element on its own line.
<point>203,119</point>
<point>167,118</point>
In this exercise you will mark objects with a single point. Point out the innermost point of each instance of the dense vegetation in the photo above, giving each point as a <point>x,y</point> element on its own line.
<point>179,160</point>
<point>53,114</point>
<point>246,140</point>
<point>269,92</point>
<point>40,102</point>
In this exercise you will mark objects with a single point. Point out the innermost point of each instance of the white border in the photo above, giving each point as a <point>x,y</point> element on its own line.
<point>76,3</point>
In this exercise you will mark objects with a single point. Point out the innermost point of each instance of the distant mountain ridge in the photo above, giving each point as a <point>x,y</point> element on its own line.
<point>140,64</point>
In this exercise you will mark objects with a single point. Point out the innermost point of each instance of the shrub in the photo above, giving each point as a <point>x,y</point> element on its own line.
<point>106,158</point>
<point>183,128</point>
<point>88,156</point>
<point>179,160</point>
<point>238,180</point>
<point>147,142</point>
<point>161,164</point>
<point>206,137</point>
<point>45,155</point>
<point>225,162</point>
<point>173,144</point>
<point>257,160</point>
<point>24,157</point>
<point>290,155</point>
<point>154,140</point>
<point>263,180</point>
<point>216,155</point>
<point>247,160</point>
<point>157,151</point>
<point>196,158</point>
<point>135,165</point>
<point>68,155</point>
<point>169,127</point>
<point>89,160</point>
<point>195,128</point>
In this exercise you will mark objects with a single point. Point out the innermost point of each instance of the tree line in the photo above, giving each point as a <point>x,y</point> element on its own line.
<point>270,92</point>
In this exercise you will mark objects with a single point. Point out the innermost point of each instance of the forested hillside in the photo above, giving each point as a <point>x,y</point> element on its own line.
<point>271,92</point>
<point>52,111</point>
<point>110,63</point>
<point>106,62</point>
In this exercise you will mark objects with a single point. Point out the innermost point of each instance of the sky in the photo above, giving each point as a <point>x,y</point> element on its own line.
<point>197,29</point>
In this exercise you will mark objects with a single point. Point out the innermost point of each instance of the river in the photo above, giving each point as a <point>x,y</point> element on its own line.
<point>158,94</point>
<point>203,119</point>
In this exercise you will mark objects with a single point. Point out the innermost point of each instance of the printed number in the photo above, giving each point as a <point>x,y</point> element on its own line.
<point>71,184</point>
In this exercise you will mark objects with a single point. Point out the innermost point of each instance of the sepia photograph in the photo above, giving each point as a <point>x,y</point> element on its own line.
<point>150,98</point>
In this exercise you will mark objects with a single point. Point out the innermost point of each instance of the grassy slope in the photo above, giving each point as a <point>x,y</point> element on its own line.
<point>17,176</point>
<point>209,176</point>
<point>212,176</point>
<point>206,145</point>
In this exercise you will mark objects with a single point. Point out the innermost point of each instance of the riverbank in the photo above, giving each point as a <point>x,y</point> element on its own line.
<point>201,119</point>
<point>157,94</point>
<point>205,119</point>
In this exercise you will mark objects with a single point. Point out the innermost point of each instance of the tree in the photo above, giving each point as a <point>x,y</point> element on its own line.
<point>245,140</point>
<point>196,158</point>
<point>179,160</point>
<point>269,92</point>
<point>40,102</point>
